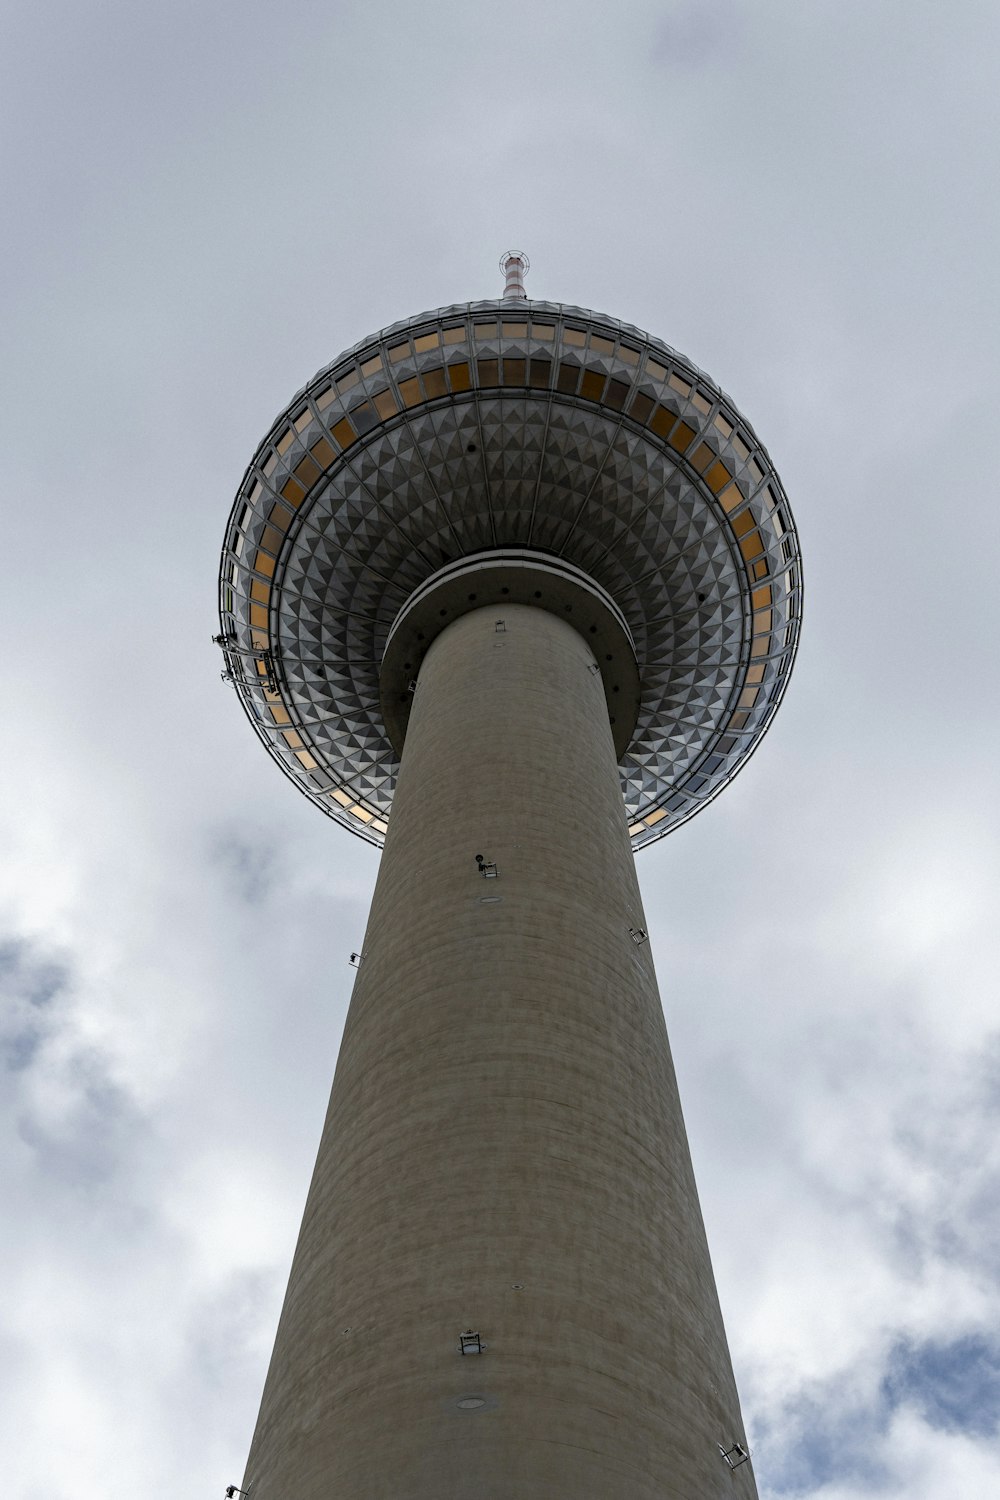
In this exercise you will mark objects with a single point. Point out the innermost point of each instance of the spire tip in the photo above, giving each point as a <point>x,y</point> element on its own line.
<point>515,266</point>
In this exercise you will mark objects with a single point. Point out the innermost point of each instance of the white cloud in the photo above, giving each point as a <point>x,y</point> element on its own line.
<point>206,206</point>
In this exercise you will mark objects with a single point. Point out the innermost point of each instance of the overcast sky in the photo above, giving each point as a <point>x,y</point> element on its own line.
<point>207,200</point>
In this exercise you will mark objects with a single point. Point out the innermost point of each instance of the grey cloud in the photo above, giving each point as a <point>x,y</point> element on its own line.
<point>82,1143</point>
<point>690,34</point>
<point>248,864</point>
<point>25,975</point>
<point>29,986</point>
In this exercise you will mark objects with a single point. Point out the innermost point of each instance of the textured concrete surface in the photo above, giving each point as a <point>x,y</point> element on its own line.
<point>504,1149</point>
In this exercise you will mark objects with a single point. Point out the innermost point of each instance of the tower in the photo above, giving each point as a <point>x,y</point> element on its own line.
<point>513,589</point>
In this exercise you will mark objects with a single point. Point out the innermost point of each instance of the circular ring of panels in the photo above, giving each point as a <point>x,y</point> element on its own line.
<point>511,425</point>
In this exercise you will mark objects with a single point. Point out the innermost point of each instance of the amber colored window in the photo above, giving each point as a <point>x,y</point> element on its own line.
<point>569,375</point>
<point>575,336</point>
<point>459,375</point>
<point>658,371</point>
<point>756,673</point>
<point>303,419</point>
<point>681,437</point>
<point>702,403</point>
<point>258,615</point>
<point>410,391</point>
<point>271,539</point>
<point>425,341</point>
<point>385,404</point>
<point>762,597</point>
<point>264,564</point>
<point>344,433</point>
<point>285,441</point>
<point>744,523</point>
<point>489,371</point>
<point>718,476</point>
<point>260,591</point>
<point>398,352</point>
<point>630,356</point>
<point>486,330</point>
<point>325,398</point>
<point>760,569</point>
<point>323,453</point>
<point>641,407</point>
<point>601,346</point>
<point>454,335</point>
<point>615,394</point>
<point>292,491</point>
<point>514,372</point>
<point>702,457</point>
<point>542,330</point>
<point>592,385</point>
<point>663,420</point>
<point>307,471</point>
<point>371,365</point>
<point>280,516</point>
<point>752,545</point>
<point>514,330</point>
<point>679,384</point>
<point>434,382</point>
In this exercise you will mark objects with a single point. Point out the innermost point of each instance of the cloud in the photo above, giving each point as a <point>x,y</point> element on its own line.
<point>28,986</point>
<point>208,209</point>
<point>692,34</point>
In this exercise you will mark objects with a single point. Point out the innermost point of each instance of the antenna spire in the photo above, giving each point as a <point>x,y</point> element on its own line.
<point>515,265</point>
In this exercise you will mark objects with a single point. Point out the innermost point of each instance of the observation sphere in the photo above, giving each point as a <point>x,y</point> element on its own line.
<point>519,451</point>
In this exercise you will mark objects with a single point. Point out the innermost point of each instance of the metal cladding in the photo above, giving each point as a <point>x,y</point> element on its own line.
<point>511,424</point>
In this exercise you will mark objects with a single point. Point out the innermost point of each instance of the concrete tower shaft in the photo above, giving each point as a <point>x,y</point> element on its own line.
<point>504,1150</point>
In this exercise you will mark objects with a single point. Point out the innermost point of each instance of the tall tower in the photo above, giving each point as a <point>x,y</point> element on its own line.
<point>514,589</point>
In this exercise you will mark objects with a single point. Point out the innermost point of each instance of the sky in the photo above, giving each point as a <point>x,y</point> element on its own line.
<point>205,203</point>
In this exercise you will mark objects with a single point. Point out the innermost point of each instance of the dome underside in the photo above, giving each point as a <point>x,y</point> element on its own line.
<point>469,430</point>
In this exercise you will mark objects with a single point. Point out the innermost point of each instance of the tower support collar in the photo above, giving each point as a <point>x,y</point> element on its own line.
<point>496,578</point>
